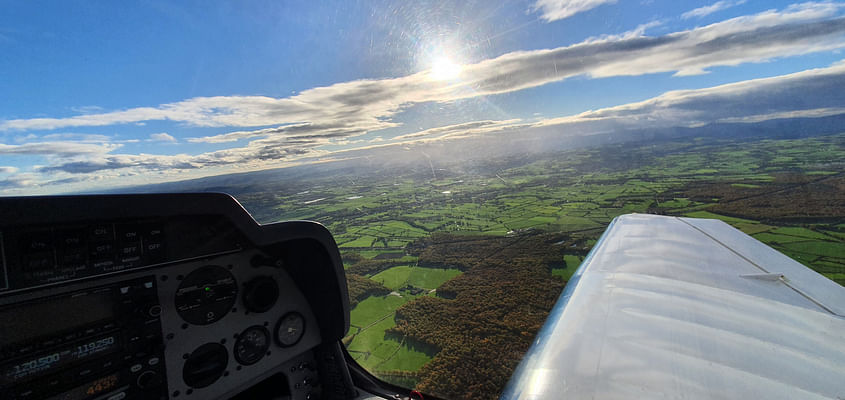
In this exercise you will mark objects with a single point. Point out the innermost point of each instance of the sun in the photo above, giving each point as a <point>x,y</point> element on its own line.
<point>444,69</point>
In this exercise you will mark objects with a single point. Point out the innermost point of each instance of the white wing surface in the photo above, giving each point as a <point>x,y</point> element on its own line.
<point>681,308</point>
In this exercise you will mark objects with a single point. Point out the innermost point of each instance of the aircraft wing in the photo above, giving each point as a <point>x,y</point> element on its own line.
<point>682,308</point>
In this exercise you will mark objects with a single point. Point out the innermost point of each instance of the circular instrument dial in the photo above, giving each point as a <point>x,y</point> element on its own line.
<point>290,329</point>
<point>251,345</point>
<point>206,295</point>
<point>260,294</point>
<point>205,365</point>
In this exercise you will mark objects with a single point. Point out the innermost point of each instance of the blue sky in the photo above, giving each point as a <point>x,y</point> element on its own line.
<point>105,94</point>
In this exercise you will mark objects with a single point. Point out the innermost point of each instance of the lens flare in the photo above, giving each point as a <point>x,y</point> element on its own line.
<point>443,69</point>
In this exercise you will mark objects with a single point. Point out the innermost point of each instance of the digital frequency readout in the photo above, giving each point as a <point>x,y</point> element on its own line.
<point>50,361</point>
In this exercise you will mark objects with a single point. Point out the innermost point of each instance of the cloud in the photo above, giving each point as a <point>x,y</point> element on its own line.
<point>462,129</point>
<point>58,149</point>
<point>330,129</point>
<point>18,181</point>
<point>257,154</point>
<point>356,107</point>
<point>8,170</point>
<point>162,137</point>
<point>807,94</point>
<point>553,10</point>
<point>87,109</point>
<point>814,93</point>
<point>807,113</point>
<point>707,10</point>
<point>76,137</point>
<point>140,162</point>
<point>756,38</point>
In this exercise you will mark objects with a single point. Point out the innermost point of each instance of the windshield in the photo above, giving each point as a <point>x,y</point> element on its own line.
<point>465,155</point>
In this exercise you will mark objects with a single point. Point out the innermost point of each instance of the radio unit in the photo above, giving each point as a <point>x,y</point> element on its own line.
<point>103,342</point>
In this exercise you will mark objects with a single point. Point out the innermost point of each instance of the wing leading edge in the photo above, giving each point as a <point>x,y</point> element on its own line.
<point>668,307</point>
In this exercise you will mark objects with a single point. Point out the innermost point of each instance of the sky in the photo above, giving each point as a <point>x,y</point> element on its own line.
<point>99,94</point>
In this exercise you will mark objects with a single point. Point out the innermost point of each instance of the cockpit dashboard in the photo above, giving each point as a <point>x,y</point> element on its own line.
<point>166,296</point>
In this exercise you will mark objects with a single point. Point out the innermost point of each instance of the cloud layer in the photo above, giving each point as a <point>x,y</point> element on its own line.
<point>271,130</point>
<point>807,94</point>
<point>356,107</point>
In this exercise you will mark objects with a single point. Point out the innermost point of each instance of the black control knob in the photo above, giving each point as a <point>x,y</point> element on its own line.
<point>148,380</point>
<point>261,294</point>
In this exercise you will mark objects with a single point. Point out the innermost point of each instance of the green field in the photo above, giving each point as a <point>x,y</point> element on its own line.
<point>572,263</point>
<point>374,309</point>
<point>393,278</point>
<point>367,342</point>
<point>406,359</point>
<point>425,278</point>
<point>430,278</point>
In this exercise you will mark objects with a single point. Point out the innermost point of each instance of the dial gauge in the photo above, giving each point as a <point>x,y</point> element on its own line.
<point>251,345</point>
<point>289,329</point>
<point>205,365</point>
<point>206,295</point>
<point>260,294</point>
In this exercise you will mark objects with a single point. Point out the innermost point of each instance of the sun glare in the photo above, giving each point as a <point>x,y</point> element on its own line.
<point>443,69</point>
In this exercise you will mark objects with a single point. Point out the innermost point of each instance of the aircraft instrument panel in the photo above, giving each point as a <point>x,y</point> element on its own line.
<point>162,297</point>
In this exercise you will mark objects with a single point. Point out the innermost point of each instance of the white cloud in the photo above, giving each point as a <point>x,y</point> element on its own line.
<point>639,31</point>
<point>22,180</point>
<point>8,170</point>
<point>57,149</point>
<point>807,94</point>
<point>466,128</point>
<point>162,137</point>
<point>553,10</point>
<point>308,129</point>
<point>108,162</point>
<point>808,113</point>
<point>707,10</point>
<point>76,137</point>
